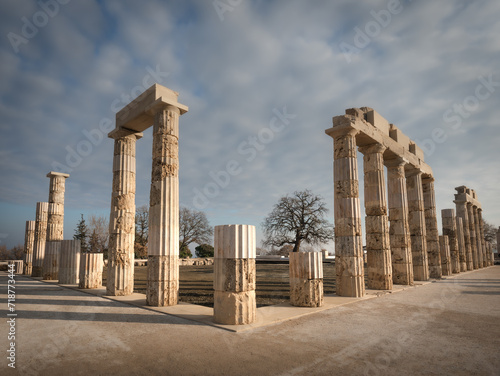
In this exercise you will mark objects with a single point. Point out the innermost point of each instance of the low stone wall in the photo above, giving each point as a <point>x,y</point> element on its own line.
<point>196,261</point>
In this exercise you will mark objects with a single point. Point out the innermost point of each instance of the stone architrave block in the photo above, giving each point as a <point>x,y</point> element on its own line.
<point>306,279</point>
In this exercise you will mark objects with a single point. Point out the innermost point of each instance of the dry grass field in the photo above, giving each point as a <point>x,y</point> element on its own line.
<point>196,283</point>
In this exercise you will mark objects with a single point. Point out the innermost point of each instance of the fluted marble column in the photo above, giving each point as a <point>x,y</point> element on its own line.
<point>69,268</point>
<point>431,226</point>
<point>51,260</point>
<point>461,244</point>
<point>234,274</point>
<point>479,246</point>
<point>463,213</point>
<point>399,231</point>
<point>91,266</point>
<point>444,246</point>
<point>55,225</point>
<point>349,266</point>
<point>29,244</point>
<point>55,221</point>
<point>42,210</point>
<point>306,279</point>
<point>378,251</point>
<point>416,220</point>
<point>450,230</point>
<point>120,280</point>
<point>483,240</point>
<point>163,249</point>
<point>472,232</point>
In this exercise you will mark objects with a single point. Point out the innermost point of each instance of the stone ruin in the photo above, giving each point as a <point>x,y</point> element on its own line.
<point>402,240</point>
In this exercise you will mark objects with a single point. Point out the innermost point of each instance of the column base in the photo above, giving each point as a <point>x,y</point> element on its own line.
<point>163,281</point>
<point>350,279</point>
<point>379,270</point>
<point>234,308</point>
<point>28,268</point>
<point>402,274</point>
<point>306,292</point>
<point>120,281</point>
<point>36,271</point>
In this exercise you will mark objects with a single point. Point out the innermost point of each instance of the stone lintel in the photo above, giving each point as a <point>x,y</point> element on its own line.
<point>402,139</point>
<point>464,197</point>
<point>123,132</point>
<point>137,115</point>
<point>369,134</point>
<point>53,173</point>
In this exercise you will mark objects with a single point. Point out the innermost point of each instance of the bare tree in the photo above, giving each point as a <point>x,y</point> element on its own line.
<point>490,233</point>
<point>141,231</point>
<point>193,227</point>
<point>296,219</point>
<point>98,228</point>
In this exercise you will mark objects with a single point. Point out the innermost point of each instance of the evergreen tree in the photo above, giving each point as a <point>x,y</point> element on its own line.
<point>81,234</point>
<point>185,252</point>
<point>204,250</point>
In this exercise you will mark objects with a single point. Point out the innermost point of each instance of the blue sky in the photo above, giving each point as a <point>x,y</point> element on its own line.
<point>429,67</point>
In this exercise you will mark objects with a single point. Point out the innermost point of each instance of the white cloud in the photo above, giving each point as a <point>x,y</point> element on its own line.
<point>232,74</point>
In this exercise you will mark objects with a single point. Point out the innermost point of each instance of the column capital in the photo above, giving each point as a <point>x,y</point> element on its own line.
<point>372,148</point>
<point>124,132</point>
<point>396,162</point>
<point>159,106</point>
<point>52,174</point>
<point>337,132</point>
<point>412,171</point>
<point>427,179</point>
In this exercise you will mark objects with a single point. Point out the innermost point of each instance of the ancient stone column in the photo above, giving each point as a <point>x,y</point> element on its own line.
<point>445,255</point>
<point>55,225</point>
<point>450,230</point>
<point>472,232</point>
<point>69,265</point>
<point>120,280</point>
<point>163,248</point>
<point>479,245</point>
<point>18,266</point>
<point>29,244</point>
<point>378,251</point>
<point>55,221</point>
<point>416,221</point>
<point>91,265</point>
<point>399,231</point>
<point>461,244</point>
<point>349,267</point>
<point>42,209</point>
<point>431,227</point>
<point>483,240</point>
<point>462,212</point>
<point>50,269</point>
<point>306,279</point>
<point>234,274</point>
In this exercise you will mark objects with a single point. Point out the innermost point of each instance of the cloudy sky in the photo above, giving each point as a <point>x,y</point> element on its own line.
<point>262,80</point>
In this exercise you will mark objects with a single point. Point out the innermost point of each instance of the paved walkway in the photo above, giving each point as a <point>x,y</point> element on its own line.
<point>448,327</point>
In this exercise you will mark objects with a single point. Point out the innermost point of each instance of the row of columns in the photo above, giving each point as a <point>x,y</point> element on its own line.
<point>476,249</point>
<point>402,236</point>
